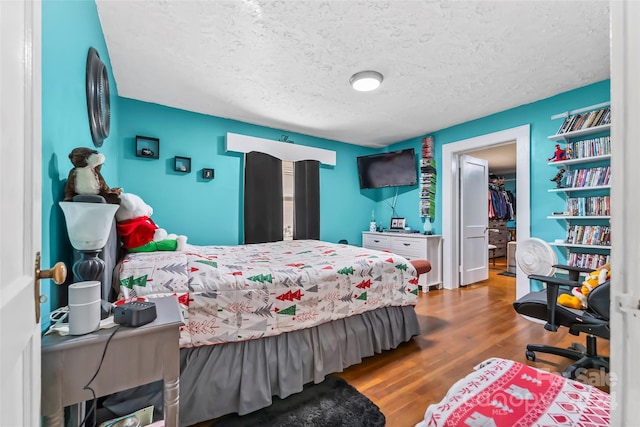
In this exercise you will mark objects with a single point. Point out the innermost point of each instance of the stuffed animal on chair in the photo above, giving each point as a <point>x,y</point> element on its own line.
<point>578,299</point>
<point>85,177</point>
<point>138,231</point>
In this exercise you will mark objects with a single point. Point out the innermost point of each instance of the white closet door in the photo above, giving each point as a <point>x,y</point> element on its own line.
<point>474,220</point>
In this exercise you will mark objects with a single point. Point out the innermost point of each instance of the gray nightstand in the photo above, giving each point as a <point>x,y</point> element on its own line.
<point>136,356</point>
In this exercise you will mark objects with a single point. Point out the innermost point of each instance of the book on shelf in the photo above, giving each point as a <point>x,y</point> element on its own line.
<point>590,177</point>
<point>565,125</point>
<point>589,147</point>
<point>590,119</point>
<point>578,124</point>
<point>588,206</point>
<point>606,117</point>
<point>593,235</point>
<point>596,120</point>
<point>585,260</point>
<point>586,120</point>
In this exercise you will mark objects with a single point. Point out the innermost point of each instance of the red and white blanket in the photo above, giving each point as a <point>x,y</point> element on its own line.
<point>508,393</point>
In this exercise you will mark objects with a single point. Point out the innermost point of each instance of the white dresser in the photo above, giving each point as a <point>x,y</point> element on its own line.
<point>411,246</point>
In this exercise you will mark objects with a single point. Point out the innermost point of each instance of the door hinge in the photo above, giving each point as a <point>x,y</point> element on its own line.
<point>628,304</point>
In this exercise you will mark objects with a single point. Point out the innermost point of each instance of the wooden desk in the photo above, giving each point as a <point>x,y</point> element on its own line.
<point>135,356</point>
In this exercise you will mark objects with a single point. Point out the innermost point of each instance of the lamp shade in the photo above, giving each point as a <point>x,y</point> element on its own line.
<point>88,224</point>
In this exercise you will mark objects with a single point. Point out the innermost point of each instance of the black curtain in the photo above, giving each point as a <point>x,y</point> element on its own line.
<point>306,207</point>
<point>263,210</point>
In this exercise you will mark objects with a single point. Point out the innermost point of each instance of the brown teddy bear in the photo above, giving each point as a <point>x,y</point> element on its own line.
<point>85,178</point>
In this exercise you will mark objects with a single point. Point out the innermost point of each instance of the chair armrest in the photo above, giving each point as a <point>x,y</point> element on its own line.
<point>553,287</point>
<point>574,272</point>
<point>556,281</point>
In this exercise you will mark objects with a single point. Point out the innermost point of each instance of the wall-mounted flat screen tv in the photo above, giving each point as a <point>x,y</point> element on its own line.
<point>388,169</point>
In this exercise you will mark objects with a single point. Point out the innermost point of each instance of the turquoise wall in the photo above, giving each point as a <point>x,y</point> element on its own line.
<point>211,211</point>
<point>69,28</point>
<point>509,182</point>
<point>538,115</point>
<point>208,212</point>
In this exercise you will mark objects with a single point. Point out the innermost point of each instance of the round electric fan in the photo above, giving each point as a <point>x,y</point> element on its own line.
<point>535,256</point>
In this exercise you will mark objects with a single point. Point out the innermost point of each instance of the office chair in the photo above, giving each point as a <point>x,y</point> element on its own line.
<point>594,321</point>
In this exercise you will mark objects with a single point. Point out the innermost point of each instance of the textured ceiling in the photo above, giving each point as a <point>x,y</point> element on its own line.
<point>287,64</point>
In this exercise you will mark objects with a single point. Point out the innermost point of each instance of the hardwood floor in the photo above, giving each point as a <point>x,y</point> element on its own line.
<point>460,328</point>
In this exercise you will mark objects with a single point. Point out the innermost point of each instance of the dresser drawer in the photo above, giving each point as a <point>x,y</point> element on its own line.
<point>379,243</point>
<point>408,247</point>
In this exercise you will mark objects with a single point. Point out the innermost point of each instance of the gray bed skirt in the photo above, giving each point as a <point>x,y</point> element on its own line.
<point>242,377</point>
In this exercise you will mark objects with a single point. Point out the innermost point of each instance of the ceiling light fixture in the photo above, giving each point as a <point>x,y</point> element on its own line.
<point>366,81</point>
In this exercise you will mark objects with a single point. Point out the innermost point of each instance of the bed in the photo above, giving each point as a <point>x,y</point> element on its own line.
<point>503,392</point>
<point>264,319</point>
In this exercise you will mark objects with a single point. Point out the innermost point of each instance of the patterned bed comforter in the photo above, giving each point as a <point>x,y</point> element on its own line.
<point>237,293</point>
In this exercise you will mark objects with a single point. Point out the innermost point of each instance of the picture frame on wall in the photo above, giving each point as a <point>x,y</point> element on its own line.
<point>182,164</point>
<point>147,147</point>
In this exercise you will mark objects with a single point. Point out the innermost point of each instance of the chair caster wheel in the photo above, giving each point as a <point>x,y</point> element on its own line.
<point>530,355</point>
<point>577,347</point>
<point>572,372</point>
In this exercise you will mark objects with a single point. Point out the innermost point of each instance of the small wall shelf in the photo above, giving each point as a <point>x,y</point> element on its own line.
<point>570,189</point>
<point>207,173</point>
<point>147,147</point>
<point>602,158</point>
<point>578,245</point>
<point>572,217</point>
<point>577,133</point>
<point>182,164</point>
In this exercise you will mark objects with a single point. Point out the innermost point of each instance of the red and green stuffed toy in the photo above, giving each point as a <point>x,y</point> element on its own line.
<point>138,231</point>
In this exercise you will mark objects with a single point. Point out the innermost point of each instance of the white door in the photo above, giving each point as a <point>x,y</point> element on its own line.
<point>625,251</point>
<point>474,220</point>
<point>20,204</point>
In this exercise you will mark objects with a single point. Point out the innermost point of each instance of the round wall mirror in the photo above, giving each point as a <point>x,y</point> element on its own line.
<point>98,104</point>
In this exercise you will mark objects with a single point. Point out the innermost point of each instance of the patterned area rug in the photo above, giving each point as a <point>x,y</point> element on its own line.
<point>507,273</point>
<point>332,403</point>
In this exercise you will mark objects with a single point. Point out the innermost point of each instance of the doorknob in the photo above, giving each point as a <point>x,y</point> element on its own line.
<point>58,273</point>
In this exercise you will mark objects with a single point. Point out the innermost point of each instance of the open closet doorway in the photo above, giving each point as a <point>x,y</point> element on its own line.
<point>501,211</point>
<point>451,223</point>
